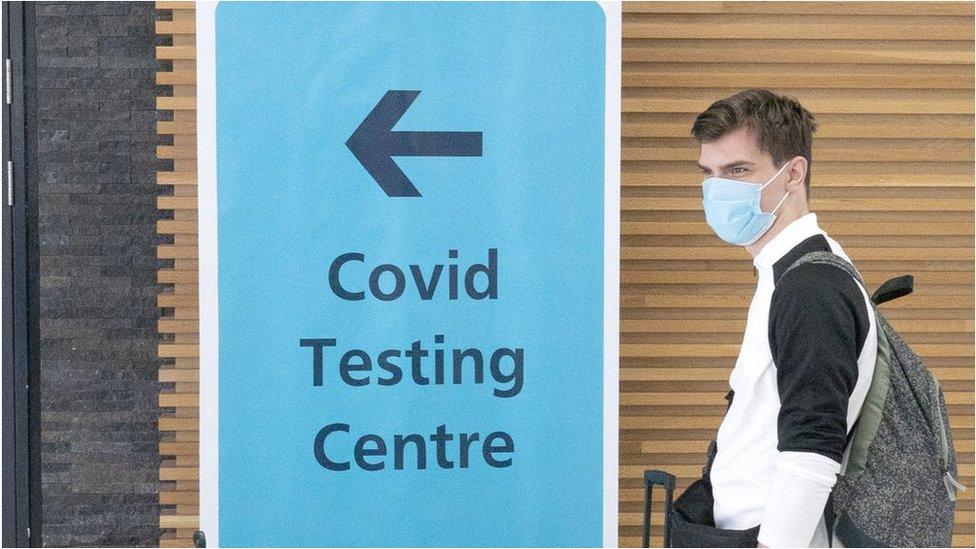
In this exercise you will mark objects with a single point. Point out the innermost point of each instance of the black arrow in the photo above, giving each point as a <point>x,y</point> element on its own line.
<point>374,143</point>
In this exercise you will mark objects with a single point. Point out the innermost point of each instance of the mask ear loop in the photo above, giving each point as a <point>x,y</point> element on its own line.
<point>770,181</point>
<point>773,214</point>
<point>780,202</point>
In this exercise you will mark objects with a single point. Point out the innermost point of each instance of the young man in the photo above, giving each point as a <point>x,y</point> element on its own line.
<point>808,352</point>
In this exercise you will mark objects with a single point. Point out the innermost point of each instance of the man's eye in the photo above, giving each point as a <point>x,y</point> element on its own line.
<point>738,171</point>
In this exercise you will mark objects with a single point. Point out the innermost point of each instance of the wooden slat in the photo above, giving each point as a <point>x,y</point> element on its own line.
<point>179,521</point>
<point>170,226</point>
<point>805,8</point>
<point>834,228</point>
<point>178,473</point>
<point>740,301</point>
<point>187,400</point>
<point>873,278</point>
<point>174,374</point>
<point>677,423</point>
<point>774,26</point>
<point>678,399</point>
<point>176,27</point>
<point>932,254</point>
<point>170,276</point>
<point>176,178</point>
<point>176,202</point>
<point>941,326</point>
<point>820,204</point>
<point>636,518</point>
<point>173,497</point>
<point>176,52</point>
<point>863,76</point>
<point>732,49</point>
<point>169,127</point>
<point>179,424</point>
<point>839,105</point>
<point>682,172</point>
<point>722,374</point>
<point>176,103</point>
<point>178,350</point>
<point>843,150</point>
<point>172,151</point>
<point>176,78</point>
<point>896,129</point>
<point>181,300</point>
<point>164,251</point>
<point>175,5</point>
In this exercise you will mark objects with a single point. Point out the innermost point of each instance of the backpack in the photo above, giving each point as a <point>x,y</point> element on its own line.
<point>897,485</point>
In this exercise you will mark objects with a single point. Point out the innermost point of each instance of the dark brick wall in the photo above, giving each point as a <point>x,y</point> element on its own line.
<point>96,164</point>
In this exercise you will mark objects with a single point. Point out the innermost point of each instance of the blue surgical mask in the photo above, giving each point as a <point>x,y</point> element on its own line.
<point>733,210</point>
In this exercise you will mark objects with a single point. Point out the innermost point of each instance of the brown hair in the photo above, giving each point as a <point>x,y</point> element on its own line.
<point>782,127</point>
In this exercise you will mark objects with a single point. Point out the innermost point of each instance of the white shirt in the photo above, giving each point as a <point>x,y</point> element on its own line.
<point>753,483</point>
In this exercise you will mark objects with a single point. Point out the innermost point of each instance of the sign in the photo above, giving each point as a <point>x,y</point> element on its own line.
<point>409,267</point>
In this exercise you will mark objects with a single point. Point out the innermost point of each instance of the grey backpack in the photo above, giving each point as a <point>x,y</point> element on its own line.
<point>897,485</point>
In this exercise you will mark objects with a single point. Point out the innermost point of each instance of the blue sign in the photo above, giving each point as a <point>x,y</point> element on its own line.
<point>410,217</point>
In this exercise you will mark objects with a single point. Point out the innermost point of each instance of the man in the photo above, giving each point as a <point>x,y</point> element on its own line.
<point>808,352</point>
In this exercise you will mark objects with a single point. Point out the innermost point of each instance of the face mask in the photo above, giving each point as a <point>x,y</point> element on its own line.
<point>732,209</point>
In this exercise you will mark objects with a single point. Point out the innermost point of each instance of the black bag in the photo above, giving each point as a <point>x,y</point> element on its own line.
<point>689,521</point>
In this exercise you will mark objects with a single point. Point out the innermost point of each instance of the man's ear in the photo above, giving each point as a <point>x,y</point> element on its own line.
<point>796,175</point>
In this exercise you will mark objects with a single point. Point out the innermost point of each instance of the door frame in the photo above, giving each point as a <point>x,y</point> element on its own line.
<point>21,377</point>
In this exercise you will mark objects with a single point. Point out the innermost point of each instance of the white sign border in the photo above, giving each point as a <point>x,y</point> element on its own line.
<point>207,248</point>
<point>208,298</point>
<point>611,273</point>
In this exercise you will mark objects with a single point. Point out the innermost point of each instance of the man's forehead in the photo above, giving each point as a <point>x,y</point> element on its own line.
<point>735,146</point>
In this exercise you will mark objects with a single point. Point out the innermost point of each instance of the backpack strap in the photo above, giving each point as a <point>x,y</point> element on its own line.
<point>894,288</point>
<point>827,258</point>
<point>829,517</point>
<point>713,445</point>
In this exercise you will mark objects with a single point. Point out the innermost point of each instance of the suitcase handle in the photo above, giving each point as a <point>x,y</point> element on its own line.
<point>667,480</point>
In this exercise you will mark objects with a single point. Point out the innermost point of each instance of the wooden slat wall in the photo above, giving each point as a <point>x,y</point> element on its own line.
<point>178,325</point>
<point>891,85</point>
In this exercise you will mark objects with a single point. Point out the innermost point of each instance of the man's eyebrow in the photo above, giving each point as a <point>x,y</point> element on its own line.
<point>737,164</point>
<point>727,167</point>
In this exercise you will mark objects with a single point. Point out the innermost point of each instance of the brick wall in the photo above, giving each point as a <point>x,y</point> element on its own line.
<point>96,164</point>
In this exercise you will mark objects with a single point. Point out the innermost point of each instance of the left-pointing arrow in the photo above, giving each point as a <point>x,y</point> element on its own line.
<point>374,143</point>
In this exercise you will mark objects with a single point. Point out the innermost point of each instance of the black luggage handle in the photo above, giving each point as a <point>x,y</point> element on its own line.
<point>667,480</point>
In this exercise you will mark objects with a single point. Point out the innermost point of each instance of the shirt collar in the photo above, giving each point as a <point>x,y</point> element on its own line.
<point>794,233</point>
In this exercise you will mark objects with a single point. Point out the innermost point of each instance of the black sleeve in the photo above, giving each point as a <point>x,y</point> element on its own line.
<point>818,323</point>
